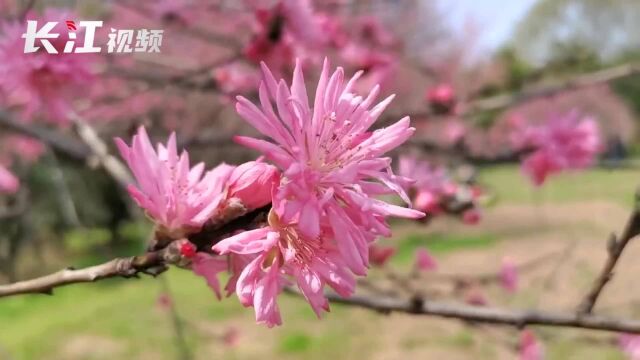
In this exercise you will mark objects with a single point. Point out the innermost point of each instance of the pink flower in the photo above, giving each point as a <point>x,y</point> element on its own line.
<point>509,275</point>
<point>568,142</point>
<point>9,183</point>
<point>209,266</point>
<point>181,198</point>
<point>41,83</point>
<point>630,345</point>
<point>325,214</point>
<point>530,347</point>
<point>380,255</point>
<point>424,260</point>
<point>171,192</point>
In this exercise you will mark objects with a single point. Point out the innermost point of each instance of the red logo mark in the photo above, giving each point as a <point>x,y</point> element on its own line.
<point>71,25</point>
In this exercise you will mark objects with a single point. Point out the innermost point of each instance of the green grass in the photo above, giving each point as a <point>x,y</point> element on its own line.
<point>438,243</point>
<point>122,310</point>
<point>510,186</point>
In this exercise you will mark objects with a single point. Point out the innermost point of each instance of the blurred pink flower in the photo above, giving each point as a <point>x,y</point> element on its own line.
<point>441,97</point>
<point>164,301</point>
<point>284,31</point>
<point>424,260</point>
<point>530,347</point>
<point>471,216</point>
<point>475,296</point>
<point>454,131</point>
<point>234,78</point>
<point>509,275</point>
<point>324,213</point>
<point>630,345</point>
<point>429,182</point>
<point>380,255</point>
<point>567,142</point>
<point>26,148</point>
<point>42,84</point>
<point>173,11</point>
<point>231,336</point>
<point>9,183</point>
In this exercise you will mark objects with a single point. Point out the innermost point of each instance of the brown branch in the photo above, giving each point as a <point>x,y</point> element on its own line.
<point>68,146</point>
<point>615,247</point>
<point>151,263</point>
<point>489,315</point>
<point>100,152</point>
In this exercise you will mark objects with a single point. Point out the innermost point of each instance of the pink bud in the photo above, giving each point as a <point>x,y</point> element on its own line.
<point>471,216</point>
<point>509,275</point>
<point>380,255</point>
<point>164,301</point>
<point>187,249</point>
<point>428,202</point>
<point>530,347</point>
<point>252,182</point>
<point>424,260</point>
<point>441,94</point>
<point>9,183</point>
<point>231,336</point>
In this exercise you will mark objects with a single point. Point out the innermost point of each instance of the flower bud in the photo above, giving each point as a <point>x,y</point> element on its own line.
<point>252,182</point>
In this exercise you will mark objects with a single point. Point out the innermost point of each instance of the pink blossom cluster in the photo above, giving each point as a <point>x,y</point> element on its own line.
<point>324,214</point>
<point>435,192</point>
<point>566,142</point>
<point>39,84</point>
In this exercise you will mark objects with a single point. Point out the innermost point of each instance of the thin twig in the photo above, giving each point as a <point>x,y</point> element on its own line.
<point>176,322</point>
<point>615,247</point>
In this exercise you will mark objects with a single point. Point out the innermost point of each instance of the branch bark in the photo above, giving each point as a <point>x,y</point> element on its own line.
<point>151,263</point>
<point>615,247</point>
<point>490,315</point>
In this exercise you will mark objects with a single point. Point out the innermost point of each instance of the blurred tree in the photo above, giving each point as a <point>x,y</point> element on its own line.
<point>604,28</point>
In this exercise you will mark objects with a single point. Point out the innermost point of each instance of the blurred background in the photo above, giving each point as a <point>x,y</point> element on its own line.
<point>470,74</point>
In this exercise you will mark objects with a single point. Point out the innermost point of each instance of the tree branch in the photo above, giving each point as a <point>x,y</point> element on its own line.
<point>615,247</point>
<point>490,315</point>
<point>151,263</point>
